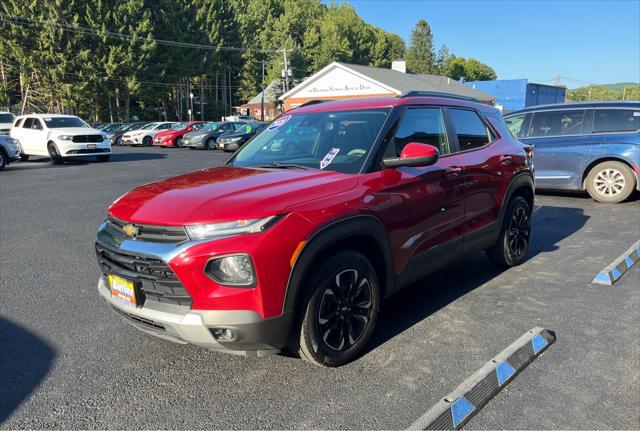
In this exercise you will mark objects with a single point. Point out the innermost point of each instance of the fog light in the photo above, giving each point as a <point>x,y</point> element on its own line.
<point>235,270</point>
<point>223,334</point>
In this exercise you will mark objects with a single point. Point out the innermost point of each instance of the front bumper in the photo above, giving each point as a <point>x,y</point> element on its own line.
<point>193,144</point>
<point>254,334</point>
<point>70,149</point>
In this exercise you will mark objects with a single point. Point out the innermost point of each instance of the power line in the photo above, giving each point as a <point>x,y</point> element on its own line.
<point>19,20</point>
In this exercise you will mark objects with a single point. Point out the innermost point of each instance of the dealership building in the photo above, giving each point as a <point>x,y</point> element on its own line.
<point>342,81</point>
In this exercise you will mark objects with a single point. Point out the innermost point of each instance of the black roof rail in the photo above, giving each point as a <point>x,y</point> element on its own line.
<point>414,93</point>
<point>314,102</point>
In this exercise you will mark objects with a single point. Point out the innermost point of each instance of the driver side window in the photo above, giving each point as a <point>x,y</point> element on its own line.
<point>422,125</point>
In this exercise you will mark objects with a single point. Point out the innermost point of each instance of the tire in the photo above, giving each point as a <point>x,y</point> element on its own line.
<point>102,159</point>
<point>179,143</point>
<point>24,157</point>
<point>210,144</point>
<point>3,160</point>
<point>146,141</point>
<point>54,155</point>
<point>610,182</point>
<point>327,311</point>
<point>515,235</point>
<point>119,140</point>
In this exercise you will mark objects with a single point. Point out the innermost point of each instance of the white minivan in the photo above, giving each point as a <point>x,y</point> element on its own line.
<point>59,137</point>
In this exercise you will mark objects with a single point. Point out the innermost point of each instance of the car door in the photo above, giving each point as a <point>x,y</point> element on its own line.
<point>483,170</point>
<point>423,206</point>
<point>561,141</point>
<point>28,136</point>
<point>39,138</point>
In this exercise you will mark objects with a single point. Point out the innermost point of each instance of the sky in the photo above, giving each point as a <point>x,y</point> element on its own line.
<point>583,41</point>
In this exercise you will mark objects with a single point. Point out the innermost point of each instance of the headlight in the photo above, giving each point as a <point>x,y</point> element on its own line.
<point>65,137</point>
<point>233,139</point>
<point>215,230</point>
<point>235,270</point>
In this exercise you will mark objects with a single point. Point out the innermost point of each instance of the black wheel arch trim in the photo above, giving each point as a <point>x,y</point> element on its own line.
<point>329,235</point>
<point>519,181</point>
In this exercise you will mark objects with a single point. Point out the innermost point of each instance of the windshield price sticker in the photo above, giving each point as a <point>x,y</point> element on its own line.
<point>279,122</point>
<point>329,158</point>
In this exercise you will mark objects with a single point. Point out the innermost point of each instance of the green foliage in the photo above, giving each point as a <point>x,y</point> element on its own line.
<point>420,54</point>
<point>100,76</point>
<point>626,90</point>
<point>469,69</point>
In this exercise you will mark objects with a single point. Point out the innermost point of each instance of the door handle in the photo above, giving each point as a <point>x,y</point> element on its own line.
<point>453,171</point>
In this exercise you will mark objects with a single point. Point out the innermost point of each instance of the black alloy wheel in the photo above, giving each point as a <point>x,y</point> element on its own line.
<point>519,232</point>
<point>515,236</point>
<point>345,310</point>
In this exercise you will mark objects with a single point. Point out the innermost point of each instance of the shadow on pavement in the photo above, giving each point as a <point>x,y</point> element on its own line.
<point>133,157</point>
<point>436,291</point>
<point>25,360</point>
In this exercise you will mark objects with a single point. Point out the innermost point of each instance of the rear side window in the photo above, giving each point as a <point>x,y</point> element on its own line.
<point>616,120</point>
<point>18,122</point>
<point>471,131</point>
<point>515,124</point>
<point>556,123</point>
<point>423,125</point>
<point>28,122</point>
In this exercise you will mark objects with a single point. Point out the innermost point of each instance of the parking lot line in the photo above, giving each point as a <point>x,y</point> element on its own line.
<point>456,409</point>
<point>616,270</point>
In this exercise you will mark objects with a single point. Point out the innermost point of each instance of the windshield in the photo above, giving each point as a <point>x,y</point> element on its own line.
<point>112,127</point>
<point>199,126</point>
<point>245,129</point>
<point>180,126</point>
<point>59,122</point>
<point>132,126</point>
<point>149,126</point>
<point>336,141</point>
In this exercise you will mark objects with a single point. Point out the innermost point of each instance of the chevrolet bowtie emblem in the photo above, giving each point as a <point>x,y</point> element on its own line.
<point>130,230</point>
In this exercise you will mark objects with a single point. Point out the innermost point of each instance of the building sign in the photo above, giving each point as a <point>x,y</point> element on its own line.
<point>339,82</point>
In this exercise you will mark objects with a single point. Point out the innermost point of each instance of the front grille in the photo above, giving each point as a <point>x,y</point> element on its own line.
<point>83,139</point>
<point>150,232</point>
<point>147,323</point>
<point>153,278</point>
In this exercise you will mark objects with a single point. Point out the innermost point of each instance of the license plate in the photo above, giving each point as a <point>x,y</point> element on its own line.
<point>91,147</point>
<point>122,290</point>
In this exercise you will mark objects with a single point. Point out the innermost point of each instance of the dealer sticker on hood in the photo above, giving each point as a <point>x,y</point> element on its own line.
<point>326,161</point>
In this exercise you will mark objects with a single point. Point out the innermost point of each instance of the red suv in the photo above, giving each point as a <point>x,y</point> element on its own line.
<point>173,136</point>
<point>294,242</point>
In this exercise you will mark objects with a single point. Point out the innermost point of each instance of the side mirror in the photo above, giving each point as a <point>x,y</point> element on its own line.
<point>414,154</point>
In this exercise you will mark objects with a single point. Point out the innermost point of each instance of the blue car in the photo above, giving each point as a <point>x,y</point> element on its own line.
<point>591,146</point>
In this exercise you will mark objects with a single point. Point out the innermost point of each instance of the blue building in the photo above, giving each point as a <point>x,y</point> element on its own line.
<point>513,94</point>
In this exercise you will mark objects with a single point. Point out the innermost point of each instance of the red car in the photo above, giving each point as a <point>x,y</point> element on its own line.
<point>173,136</point>
<point>296,240</point>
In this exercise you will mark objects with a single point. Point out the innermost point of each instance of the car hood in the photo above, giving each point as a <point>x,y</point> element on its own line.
<point>235,135</point>
<point>76,131</point>
<point>166,133</point>
<point>226,193</point>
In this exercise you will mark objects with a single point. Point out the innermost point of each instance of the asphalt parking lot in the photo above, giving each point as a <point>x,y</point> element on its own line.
<point>66,361</point>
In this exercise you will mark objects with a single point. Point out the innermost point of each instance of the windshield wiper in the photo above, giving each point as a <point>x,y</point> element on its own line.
<point>282,166</point>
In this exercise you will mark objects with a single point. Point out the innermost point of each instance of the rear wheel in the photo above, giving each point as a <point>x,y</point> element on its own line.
<point>211,144</point>
<point>146,142</point>
<point>3,160</point>
<point>610,182</point>
<point>340,311</point>
<point>513,242</point>
<point>54,155</point>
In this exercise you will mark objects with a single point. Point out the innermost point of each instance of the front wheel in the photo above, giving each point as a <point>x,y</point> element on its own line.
<point>610,182</point>
<point>211,144</point>
<point>515,236</point>
<point>146,142</point>
<point>340,311</point>
<point>179,143</point>
<point>54,155</point>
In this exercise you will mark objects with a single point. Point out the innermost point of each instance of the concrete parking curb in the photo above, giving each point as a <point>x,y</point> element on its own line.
<point>616,270</point>
<point>456,409</point>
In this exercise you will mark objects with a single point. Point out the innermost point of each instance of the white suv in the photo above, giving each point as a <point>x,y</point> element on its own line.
<point>6,120</point>
<point>59,137</point>
<point>144,136</point>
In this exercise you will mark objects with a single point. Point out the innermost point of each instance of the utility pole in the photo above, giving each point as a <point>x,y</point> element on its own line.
<point>201,98</point>
<point>262,96</point>
<point>286,70</point>
<point>556,81</point>
<point>624,92</point>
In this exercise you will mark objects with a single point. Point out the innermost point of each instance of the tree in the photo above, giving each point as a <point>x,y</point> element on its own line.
<point>443,59</point>
<point>420,54</point>
<point>470,70</point>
